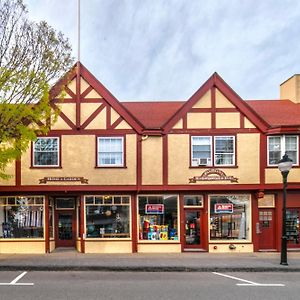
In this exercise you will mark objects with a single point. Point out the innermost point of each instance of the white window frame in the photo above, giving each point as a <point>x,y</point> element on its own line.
<point>98,150</point>
<point>58,153</point>
<point>233,154</point>
<point>211,149</point>
<point>282,147</point>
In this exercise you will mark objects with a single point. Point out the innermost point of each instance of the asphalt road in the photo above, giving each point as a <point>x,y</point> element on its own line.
<point>148,286</point>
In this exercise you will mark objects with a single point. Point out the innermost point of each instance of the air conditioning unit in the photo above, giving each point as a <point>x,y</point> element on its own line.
<point>201,162</point>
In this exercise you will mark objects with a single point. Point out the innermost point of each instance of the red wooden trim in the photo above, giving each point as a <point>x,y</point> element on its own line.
<point>242,121</point>
<point>92,100</point>
<point>47,239</point>
<point>18,175</point>
<point>81,229</point>
<point>64,117</point>
<point>78,92</point>
<point>263,158</point>
<point>59,101</point>
<point>278,218</point>
<point>284,130</point>
<point>139,162</point>
<point>111,100</point>
<point>134,223</point>
<point>93,132</point>
<point>182,222</point>
<point>214,131</point>
<point>208,110</point>
<point>86,92</point>
<point>255,220</point>
<point>213,107</point>
<point>116,123</point>
<point>93,116</point>
<point>108,117</point>
<point>184,122</point>
<point>70,93</point>
<point>165,160</point>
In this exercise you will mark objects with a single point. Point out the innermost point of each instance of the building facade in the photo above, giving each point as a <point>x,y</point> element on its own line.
<point>122,177</point>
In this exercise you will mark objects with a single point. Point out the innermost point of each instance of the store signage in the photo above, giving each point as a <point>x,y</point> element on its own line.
<point>213,175</point>
<point>63,179</point>
<point>221,208</point>
<point>155,209</point>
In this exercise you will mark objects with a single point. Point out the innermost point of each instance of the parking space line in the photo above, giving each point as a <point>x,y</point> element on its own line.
<point>248,283</point>
<point>15,281</point>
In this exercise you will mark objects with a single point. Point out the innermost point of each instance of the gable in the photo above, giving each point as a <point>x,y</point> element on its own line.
<point>215,106</point>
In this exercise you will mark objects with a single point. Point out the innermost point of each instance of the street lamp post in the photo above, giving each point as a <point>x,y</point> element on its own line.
<point>284,166</point>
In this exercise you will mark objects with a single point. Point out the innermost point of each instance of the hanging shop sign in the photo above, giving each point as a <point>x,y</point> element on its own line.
<point>213,175</point>
<point>63,179</point>
<point>221,208</point>
<point>155,209</point>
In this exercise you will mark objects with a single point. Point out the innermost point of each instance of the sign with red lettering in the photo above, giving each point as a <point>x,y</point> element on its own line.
<point>155,209</point>
<point>221,208</point>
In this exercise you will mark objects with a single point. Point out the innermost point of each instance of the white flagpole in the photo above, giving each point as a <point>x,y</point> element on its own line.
<point>78,30</point>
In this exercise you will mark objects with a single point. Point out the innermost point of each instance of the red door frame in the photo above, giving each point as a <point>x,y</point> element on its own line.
<point>65,243</point>
<point>267,236</point>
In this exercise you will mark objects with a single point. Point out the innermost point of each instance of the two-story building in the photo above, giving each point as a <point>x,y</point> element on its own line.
<point>196,175</point>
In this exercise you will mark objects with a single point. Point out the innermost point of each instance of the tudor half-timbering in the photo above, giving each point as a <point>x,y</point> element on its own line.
<point>196,175</point>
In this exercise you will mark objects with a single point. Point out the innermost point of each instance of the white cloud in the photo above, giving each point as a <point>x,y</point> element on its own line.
<point>166,49</point>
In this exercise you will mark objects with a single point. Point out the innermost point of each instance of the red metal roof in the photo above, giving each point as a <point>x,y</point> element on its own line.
<point>277,112</point>
<point>153,115</point>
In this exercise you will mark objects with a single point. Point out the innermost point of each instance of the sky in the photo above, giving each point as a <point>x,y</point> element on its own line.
<point>160,50</point>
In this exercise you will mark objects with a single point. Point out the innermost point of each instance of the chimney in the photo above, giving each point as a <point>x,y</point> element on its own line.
<point>290,89</point>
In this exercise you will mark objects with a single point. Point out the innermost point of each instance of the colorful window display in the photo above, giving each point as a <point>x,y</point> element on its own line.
<point>107,216</point>
<point>230,217</point>
<point>21,217</point>
<point>158,218</point>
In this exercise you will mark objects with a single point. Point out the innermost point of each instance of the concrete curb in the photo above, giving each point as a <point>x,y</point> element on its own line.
<point>61,268</point>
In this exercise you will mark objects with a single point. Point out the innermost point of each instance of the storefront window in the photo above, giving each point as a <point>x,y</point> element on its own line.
<point>21,217</point>
<point>51,219</point>
<point>107,216</point>
<point>229,217</point>
<point>158,217</point>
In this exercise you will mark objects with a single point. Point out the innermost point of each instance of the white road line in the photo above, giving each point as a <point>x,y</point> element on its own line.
<point>248,283</point>
<point>18,278</point>
<point>15,281</point>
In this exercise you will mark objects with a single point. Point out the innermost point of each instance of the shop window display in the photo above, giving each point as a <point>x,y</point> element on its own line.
<point>158,218</point>
<point>229,217</point>
<point>21,217</point>
<point>107,216</point>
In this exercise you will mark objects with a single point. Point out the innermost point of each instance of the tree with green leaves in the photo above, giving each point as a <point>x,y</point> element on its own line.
<point>32,56</point>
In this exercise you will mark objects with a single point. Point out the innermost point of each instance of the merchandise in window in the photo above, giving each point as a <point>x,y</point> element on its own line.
<point>158,218</point>
<point>46,152</point>
<point>229,217</point>
<point>110,151</point>
<point>21,217</point>
<point>203,153</point>
<point>279,145</point>
<point>107,216</point>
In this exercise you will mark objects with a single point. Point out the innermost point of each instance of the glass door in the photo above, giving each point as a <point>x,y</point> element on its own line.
<point>266,229</point>
<point>65,229</point>
<point>292,228</point>
<point>193,231</point>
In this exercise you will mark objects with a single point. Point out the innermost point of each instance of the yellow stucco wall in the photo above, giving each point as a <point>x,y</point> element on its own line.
<point>228,120</point>
<point>72,86</point>
<point>159,248</point>
<point>93,94</point>
<point>199,120</point>
<point>19,246</point>
<point>248,124</point>
<point>274,176</point>
<point>123,125</point>
<point>204,102</point>
<point>52,245</point>
<point>290,89</point>
<point>178,125</point>
<point>79,159</point>
<point>247,171</point>
<point>224,248</point>
<point>10,170</point>
<point>152,161</point>
<point>83,85</point>
<point>222,101</point>
<point>99,122</point>
<point>108,246</point>
<point>87,109</point>
<point>114,116</point>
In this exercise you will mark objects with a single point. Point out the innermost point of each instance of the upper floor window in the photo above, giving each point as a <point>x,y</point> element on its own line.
<point>110,151</point>
<point>204,153</point>
<point>46,152</point>
<point>279,145</point>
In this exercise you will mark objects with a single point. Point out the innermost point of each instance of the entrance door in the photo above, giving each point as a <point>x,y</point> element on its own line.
<point>292,228</point>
<point>267,229</point>
<point>65,228</point>
<point>193,230</point>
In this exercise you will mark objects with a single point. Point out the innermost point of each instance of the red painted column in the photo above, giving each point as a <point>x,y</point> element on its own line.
<point>81,229</point>
<point>47,239</point>
<point>255,220</point>
<point>182,222</point>
<point>278,213</point>
<point>134,223</point>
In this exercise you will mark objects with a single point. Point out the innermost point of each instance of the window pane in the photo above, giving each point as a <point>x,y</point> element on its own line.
<point>290,143</point>
<point>229,217</point>
<point>158,216</point>
<point>110,151</point>
<point>224,150</point>
<point>46,152</point>
<point>201,148</point>
<point>193,201</point>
